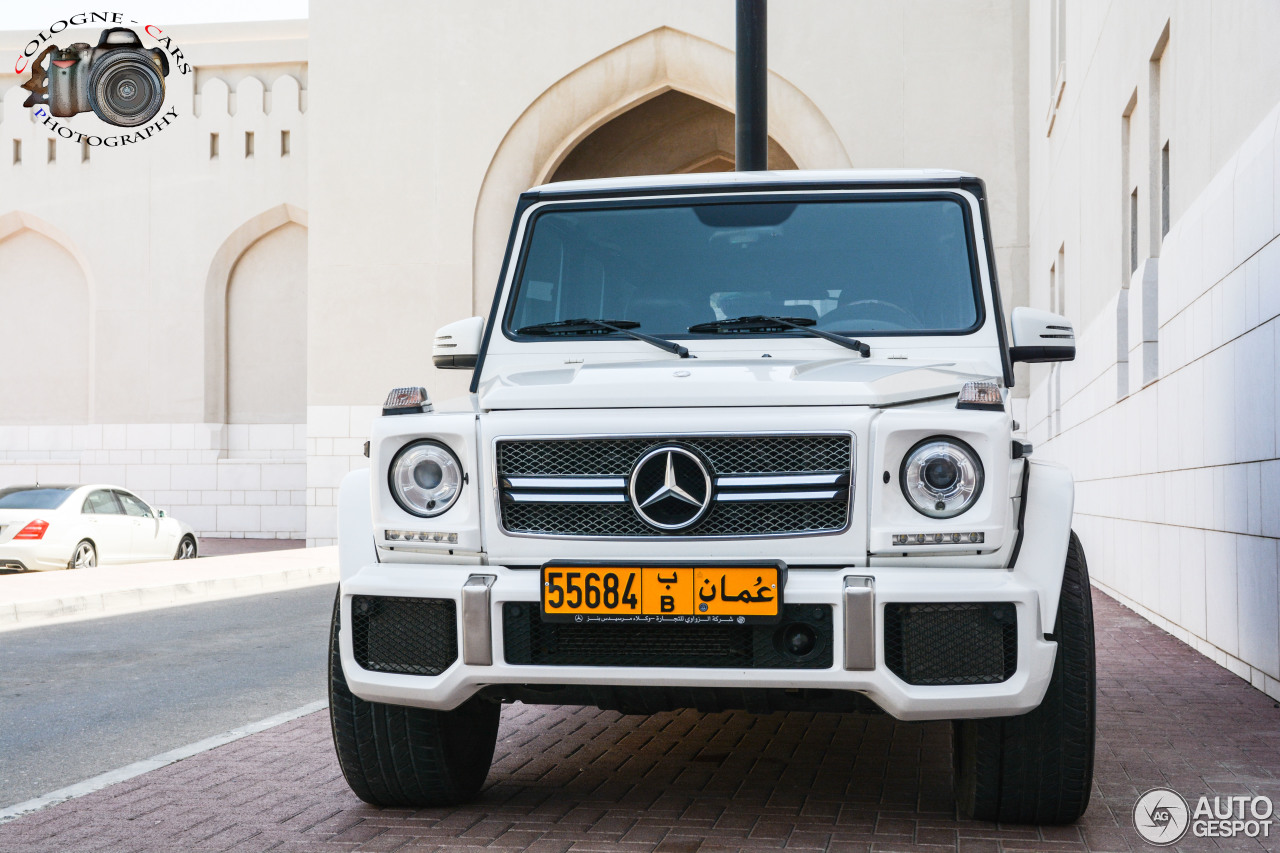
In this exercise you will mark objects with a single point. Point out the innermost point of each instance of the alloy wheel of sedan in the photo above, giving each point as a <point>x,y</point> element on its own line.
<point>186,550</point>
<point>86,556</point>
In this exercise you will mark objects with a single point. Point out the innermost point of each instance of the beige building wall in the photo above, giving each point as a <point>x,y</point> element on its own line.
<point>414,179</point>
<point>1147,118</point>
<point>114,274</point>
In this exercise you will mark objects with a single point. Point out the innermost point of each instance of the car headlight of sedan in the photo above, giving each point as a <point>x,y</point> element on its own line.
<point>941,477</point>
<point>426,478</point>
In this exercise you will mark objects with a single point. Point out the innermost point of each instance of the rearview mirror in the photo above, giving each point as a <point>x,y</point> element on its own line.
<point>1040,336</point>
<point>457,345</point>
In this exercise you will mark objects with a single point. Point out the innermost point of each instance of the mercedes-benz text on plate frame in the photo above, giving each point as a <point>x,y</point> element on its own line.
<point>730,442</point>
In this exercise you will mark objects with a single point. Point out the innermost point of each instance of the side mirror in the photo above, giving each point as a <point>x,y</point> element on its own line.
<point>1040,336</point>
<point>457,345</point>
<point>160,513</point>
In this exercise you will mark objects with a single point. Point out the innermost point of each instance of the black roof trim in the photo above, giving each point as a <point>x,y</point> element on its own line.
<point>979,189</point>
<point>965,183</point>
<point>522,204</point>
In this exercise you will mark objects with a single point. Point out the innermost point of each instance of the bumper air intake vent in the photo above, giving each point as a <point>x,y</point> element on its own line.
<point>528,640</point>
<point>935,644</point>
<point>409,636</point>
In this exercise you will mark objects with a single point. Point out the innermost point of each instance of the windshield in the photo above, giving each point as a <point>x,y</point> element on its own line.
<point>865,266</point>
<point>33,497</point>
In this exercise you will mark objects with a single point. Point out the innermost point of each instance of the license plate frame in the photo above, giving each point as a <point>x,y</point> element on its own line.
<point>733,610</point>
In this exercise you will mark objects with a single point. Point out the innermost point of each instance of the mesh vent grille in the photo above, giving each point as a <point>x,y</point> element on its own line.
<point>932,644</point>
<point>409,636</point>
<point>615,457</point>
<point>723,519</point>
<point>731,455</point>
<point>529,640</point>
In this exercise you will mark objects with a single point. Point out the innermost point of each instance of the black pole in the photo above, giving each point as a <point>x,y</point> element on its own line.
<point>752,108</point>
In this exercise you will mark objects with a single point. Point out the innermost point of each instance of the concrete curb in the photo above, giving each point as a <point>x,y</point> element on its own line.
<point>28,600</point>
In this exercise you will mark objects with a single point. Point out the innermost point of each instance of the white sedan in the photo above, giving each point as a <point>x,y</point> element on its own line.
<point>77,527</point>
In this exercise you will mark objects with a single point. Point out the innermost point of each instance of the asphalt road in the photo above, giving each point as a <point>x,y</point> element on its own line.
<point>82,698</point>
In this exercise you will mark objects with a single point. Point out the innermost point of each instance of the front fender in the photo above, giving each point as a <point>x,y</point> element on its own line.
<point>1048,502</point>
<point>356,545</point>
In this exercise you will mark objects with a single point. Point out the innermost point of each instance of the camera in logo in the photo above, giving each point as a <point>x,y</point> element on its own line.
<point>119,80</point>
<point>1161,817</point>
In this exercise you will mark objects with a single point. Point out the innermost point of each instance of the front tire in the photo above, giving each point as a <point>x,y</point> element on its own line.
<point>186,549</point>
<point>1038,767</point>
<point>392,755</point>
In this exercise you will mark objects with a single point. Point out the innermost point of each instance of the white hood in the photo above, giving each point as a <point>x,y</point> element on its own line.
<point>725,382</point>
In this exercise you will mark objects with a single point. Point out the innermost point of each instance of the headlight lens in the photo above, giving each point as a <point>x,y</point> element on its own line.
<point>426,478</point>
<point>941,477</point>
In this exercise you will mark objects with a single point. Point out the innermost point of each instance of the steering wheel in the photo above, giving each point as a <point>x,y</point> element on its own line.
<point>857,310</point>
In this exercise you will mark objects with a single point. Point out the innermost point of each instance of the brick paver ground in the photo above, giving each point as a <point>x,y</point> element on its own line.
<point>585,780</point>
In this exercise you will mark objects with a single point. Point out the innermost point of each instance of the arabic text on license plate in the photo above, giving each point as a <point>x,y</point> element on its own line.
<point>622,591</point>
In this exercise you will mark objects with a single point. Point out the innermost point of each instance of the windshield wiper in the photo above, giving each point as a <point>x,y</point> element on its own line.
<point>587,327</point>
<point>758,323</point>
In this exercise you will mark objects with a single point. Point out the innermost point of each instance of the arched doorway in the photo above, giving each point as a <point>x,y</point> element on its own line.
<point>267,330</point>
<point>671,134</point>
<point>608,86</point>
<point>48,336</point>
<point>284,254</point>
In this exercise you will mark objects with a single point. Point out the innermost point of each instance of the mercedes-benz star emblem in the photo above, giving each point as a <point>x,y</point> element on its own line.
<point>670,487</point>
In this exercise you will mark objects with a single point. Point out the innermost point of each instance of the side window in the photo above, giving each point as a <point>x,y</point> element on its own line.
<point>102,503</point>
<point>133,506</point>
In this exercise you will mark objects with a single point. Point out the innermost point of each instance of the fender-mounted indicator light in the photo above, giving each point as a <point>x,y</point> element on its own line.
<point>981,394</point>
<point>407,401</point>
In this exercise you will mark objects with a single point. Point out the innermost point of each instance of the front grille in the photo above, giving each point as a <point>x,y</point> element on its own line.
<point>970,643</point>
<point>805,508</point>
<point>728,455</point>
<point>723,519</point>
<point>410,636</point>
<point>528,640</point>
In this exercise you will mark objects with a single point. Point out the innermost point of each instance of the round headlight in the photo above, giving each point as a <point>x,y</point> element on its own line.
<point>426,478</point>
<point>941,477</point>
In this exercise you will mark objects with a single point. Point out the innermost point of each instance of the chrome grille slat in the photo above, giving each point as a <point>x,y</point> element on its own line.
<point>565,497</point>
<point>767,485</point>
<point>776,480</point>
<point>797,495</point>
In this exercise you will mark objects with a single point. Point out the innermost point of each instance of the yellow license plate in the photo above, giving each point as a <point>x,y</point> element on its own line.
<point>587,593</point>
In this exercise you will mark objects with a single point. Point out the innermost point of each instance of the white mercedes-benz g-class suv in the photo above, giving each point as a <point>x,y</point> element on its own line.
<point>733,441</point>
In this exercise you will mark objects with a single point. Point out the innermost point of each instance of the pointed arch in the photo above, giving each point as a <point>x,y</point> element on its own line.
<point>215,300</point>
<point>13,224</point>
<point>661,60</point>
<point>19,220</point>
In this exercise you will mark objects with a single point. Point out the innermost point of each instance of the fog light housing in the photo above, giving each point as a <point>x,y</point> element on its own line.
<point>796,640</point>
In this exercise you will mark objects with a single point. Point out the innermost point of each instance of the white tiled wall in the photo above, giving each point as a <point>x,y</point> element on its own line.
<point>1178,481</point>
<point>335,447</point>
<point>238,480</point>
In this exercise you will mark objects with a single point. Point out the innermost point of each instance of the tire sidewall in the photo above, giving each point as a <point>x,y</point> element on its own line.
<point>75,553</point>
